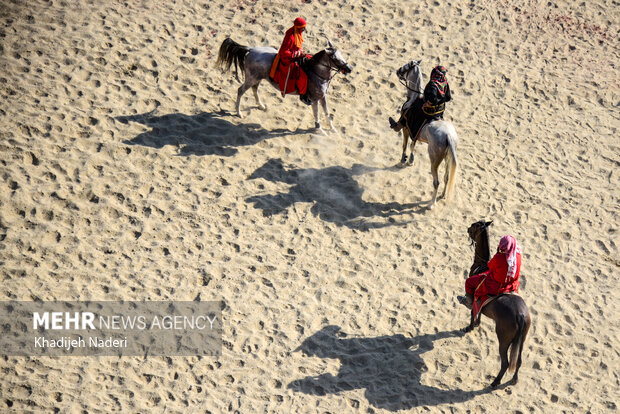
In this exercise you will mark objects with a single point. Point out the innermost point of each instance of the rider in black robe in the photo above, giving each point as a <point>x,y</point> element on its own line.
<point>431,106</point>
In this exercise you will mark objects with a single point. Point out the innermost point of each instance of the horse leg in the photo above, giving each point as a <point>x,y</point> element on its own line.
<point>434,167</point>
<point>258,101</point>
<point>403,158</point>
<point>315,111</point>
<point>472,323</point>
<point>329,118</point>
<point>445,180</point>
<point>242,89</point>
<point>519,340</point>
<point>503,354</point>
<point>413,141</point>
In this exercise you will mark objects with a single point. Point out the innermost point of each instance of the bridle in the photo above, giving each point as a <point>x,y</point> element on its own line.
<point>405,82</point>
<point>332,70</point>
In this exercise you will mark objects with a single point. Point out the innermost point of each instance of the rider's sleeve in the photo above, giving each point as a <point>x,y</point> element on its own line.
<point>287,49</point>
<point>430,94</point>
<point>498,268</point>
<point>448,96</point>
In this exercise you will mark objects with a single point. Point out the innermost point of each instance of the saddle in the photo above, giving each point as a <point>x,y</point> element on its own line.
<point>481,301</point>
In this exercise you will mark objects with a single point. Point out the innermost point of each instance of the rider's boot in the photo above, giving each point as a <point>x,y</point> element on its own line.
<point>467,300</point>
<point>396,126</point>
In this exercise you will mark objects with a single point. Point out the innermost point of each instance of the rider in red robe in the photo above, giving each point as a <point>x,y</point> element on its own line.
<point>285,69</point>
<point>502,276</point>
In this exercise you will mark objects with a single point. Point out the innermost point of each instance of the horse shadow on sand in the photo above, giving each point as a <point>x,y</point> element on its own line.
<point>201,134</point>
<point>388,368</point>
<point>334,192</point>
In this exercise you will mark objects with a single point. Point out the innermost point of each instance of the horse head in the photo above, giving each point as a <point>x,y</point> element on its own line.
<point>411,75</point>
<point>337,61</point>
<point>324,343</point>
<point>476,230</point>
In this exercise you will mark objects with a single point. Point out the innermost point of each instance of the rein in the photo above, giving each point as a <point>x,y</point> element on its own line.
<point>406,85</point>
<point>335,70</point>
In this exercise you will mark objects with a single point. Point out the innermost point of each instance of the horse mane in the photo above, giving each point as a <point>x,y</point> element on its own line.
<point>482,253</point>
<point>318,56</point>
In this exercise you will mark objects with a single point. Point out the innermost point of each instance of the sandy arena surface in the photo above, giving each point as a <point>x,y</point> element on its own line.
<point>126,175</point>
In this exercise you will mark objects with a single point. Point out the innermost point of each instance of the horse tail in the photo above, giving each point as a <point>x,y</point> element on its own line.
<point>517,344</point>
<point>232,52</point>
<point>452,140</point>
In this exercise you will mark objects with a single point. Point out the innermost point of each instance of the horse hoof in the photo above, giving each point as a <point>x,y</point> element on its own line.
<point>239,114</point>
<point>262,107</point>
<point>494,384</point>
<point>467,329</point>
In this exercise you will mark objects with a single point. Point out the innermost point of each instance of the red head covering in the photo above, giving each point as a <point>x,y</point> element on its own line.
<point>298,24</point>
<point>509,245</point>
<point>438,77</point>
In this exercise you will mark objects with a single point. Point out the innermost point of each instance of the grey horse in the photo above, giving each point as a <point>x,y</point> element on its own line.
<point>256,62</point>
<point>440,135</point>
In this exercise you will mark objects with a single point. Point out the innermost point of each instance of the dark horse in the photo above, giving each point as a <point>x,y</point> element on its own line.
<point>256,62</point>
<point>512,319</point>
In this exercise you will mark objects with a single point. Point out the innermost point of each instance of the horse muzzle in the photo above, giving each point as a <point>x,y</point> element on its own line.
<point>347,69</point>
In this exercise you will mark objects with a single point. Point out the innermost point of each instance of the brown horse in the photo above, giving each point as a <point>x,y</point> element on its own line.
<point>512,319</point>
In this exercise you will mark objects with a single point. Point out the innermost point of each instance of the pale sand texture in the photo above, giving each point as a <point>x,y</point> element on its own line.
<point>125,175</point>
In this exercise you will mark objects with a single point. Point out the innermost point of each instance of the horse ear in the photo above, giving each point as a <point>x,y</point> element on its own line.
<point>329,42</point>
<point>489,223</point>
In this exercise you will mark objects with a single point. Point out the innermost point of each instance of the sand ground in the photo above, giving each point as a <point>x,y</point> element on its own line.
<point>126,175</point>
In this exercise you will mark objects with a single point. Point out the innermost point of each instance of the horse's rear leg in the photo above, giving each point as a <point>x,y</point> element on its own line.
<point>519,341</point>
<point>258,101</point>
<point>242,89</point>
<point>434,168</point>
<point>503,354</point>
<point>445,180</point>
